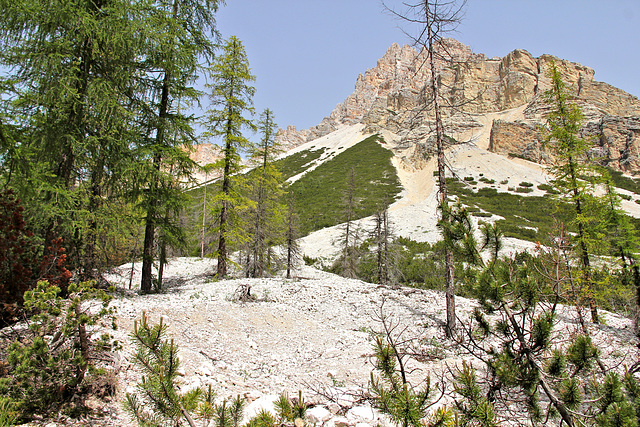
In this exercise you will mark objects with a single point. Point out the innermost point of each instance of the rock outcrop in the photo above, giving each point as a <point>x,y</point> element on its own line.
<point>394,96</point>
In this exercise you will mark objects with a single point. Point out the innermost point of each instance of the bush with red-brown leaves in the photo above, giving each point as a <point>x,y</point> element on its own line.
<point>21,265</point>
<point>18,252</point>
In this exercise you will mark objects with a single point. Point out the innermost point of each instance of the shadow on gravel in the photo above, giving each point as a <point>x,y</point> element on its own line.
<point>174,284</point>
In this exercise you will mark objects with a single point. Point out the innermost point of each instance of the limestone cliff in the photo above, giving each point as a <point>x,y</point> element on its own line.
<point>393,96</point>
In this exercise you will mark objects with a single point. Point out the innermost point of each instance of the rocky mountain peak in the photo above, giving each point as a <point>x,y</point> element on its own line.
<point>392,97</point>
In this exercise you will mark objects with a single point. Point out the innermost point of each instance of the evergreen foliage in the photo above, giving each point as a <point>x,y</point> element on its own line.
<point>231,95</point>
<point>65,114</point>
<point>177,34</point>
<point>266,213</point>
<point>392,391</point>
<point>529,361</point>
<point>474,407</point>
<point>375,180</point>
<point>162,403</point>
<point>575,174</point>
<point>56,359</point>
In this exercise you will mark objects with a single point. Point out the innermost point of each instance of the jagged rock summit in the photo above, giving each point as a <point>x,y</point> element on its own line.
<point>391,97</point>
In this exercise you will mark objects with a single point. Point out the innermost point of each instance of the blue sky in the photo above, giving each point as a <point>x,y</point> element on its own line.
<point>306,54</point>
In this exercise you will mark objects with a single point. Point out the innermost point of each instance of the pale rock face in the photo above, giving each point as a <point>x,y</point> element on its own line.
<point>205,154</point>
<point>394,96</point>
<point>620,142</point>
<point>519,138</point>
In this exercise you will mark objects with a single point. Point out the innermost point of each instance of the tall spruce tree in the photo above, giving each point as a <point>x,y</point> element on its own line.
<point>231,96</point>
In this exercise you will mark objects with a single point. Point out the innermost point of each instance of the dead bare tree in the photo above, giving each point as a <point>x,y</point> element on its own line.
<point>435,18</point>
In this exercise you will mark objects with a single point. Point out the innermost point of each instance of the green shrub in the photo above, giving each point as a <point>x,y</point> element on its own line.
<point>524,190</point>
<point>548,188</point>
<point>482,214</point>
<point>298,162</point>
<point>626,183</point>
<point>18,258</point>
<point>8,416</point>
<point>52,362</point>
<point>526,184</point>
<point>309,260</point>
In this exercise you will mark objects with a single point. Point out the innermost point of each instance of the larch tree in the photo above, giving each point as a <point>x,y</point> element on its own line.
<point>178,35</point>
<point>348,262</point>
<point>69,66</point>
<point>232,104</point>
<point>266,216</point>
<point>575,175</point>
<point>291,235</point>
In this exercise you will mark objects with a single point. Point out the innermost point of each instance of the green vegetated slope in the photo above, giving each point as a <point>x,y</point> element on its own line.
<point>624,182</point>
<point>526,217</point>
<point>298,162</point>
<point>320,194</point>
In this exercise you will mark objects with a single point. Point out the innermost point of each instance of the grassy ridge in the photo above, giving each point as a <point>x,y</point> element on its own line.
<point>319,194</point>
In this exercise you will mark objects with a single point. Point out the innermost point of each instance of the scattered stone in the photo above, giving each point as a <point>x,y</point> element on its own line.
<point>318,414</point>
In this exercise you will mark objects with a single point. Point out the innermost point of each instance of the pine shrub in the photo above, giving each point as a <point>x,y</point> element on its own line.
<point>53,361</point>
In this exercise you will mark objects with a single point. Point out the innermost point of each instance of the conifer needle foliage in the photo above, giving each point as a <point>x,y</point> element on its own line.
<point>56,358</point>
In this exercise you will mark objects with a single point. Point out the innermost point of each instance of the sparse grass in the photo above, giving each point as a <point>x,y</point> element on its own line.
<point>319,194</point>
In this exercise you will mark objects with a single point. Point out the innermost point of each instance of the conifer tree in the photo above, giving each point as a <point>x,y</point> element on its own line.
<point>436,18</point>
<point>177,35</point>
<point>291,235</point>
<point>69,66</point>
<point>231,97</point>
<point>575,174</point>
<point>162,400</point>
<point>348,262</point>
<point>266,215</point>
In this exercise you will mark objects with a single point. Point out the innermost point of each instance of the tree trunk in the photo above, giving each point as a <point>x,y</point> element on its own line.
<point>150,222</point>
<point>442,184</point>
<point>584,252</point>
<point>226,190</point>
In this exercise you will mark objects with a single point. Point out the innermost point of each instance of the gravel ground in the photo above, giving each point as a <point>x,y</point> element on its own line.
<point>310,333</point>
